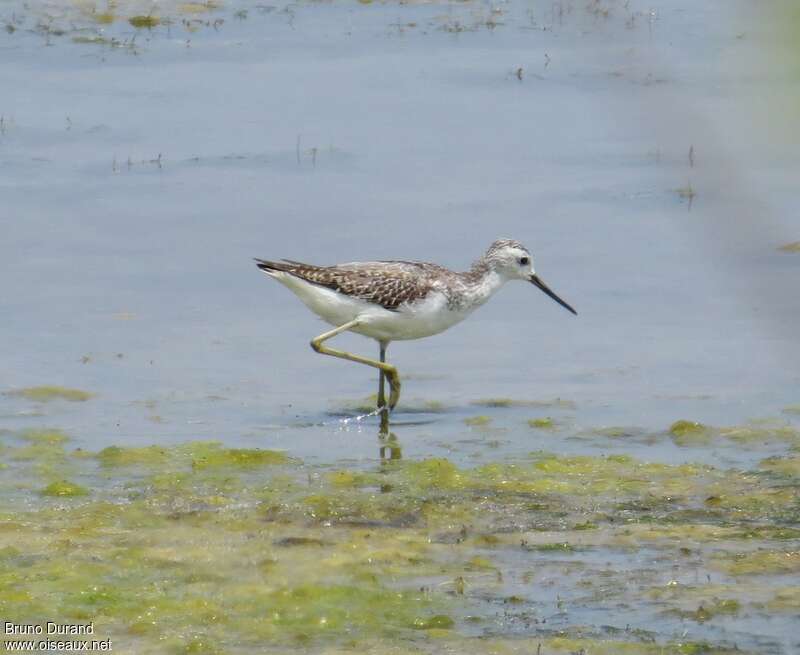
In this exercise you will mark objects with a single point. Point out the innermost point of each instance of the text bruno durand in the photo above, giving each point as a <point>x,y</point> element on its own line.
<point>52,637</point>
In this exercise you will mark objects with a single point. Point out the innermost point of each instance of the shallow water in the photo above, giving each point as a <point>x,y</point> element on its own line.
<point>645,152</point>
<point>428,146</point>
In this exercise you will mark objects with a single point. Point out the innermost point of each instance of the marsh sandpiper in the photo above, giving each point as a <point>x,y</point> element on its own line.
<point>400,300</point>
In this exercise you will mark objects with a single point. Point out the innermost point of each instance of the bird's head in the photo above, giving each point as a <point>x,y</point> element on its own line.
<point>513,261</point>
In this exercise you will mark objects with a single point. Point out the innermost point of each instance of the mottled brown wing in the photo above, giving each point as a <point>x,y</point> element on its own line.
<point>388,284</point>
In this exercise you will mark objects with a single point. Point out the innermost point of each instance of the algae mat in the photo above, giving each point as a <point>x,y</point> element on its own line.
<point>200,548</point>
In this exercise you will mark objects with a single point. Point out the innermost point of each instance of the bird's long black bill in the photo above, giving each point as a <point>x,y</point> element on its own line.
<point>538,282</point>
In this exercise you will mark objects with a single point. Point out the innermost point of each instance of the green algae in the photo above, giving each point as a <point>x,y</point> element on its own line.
<point>792,409</point>
<point>43,452</point>
<point>142,456</point>
<point>785,600</point>
<point>550,548</point>
<point>709,610</point>
<point>197,645</point>
<point>479,563</point>
<point>369,404</point>
<point>103,18</point>
<point>330,608</point>
<point>546,423</point>
<point>436,622</point>
<point>477,421</point>
<point>198,455</point>
<point>691,433</point>
<point>344,478</point>
<point>216,546</point>
<point>44,394</point>
<point>788,465</point>
<point>709,533</point>
<point>359,406</point>
<point>497,403</point>
<point>64,489</point>
<point>92,40</point>
<point>688,433</point>
<point>141,22</point>
<point>764,431</point>
<point>768,532</point>
<point>44,437</point>
<point>726,606</point>
<point>683,427</point>
<point>198,7</point>
<point>351,507</point>
<point>618,432</point>
<point>434,473</point>
<point>578,476</point>
<point>790,247</point>
<point>760,562</point>
<point>213,455</point>
<point>181,556</point>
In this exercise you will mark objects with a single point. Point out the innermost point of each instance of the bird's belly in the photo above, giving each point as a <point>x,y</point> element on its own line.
<point>423,319</point>
<point>331,306</point>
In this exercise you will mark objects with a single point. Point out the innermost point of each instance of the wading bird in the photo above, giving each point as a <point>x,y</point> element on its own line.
<point>398,300</point>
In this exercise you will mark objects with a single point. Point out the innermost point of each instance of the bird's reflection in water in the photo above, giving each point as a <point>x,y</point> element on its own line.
<point>389,451</point>
<point>389,448</point>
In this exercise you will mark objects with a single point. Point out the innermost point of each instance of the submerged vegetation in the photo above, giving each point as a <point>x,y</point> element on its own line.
<point>203,548</point>
<point>64,488</point>
<point>692,433</point>
<point>555,403</point>
<point>50,392</point>
<point>148,22</point>
<point>545,423</point>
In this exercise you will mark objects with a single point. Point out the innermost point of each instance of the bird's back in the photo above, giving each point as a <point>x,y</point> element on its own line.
<point>389,284</point>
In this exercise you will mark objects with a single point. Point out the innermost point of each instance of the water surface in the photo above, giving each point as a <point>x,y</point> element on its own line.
<point>645,153</point>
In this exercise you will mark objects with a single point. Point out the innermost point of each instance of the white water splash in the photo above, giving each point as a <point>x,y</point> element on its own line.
<point>354,419</point>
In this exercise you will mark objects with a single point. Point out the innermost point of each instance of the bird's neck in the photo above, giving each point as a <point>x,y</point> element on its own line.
<point>481,282</point>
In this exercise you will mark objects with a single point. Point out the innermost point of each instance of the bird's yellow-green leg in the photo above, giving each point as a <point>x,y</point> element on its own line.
<point>381,392</point>
<point>381,396</point>
<point>387,369</point>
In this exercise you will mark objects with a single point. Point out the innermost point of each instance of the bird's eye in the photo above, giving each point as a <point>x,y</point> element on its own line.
<point>524,261</point>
